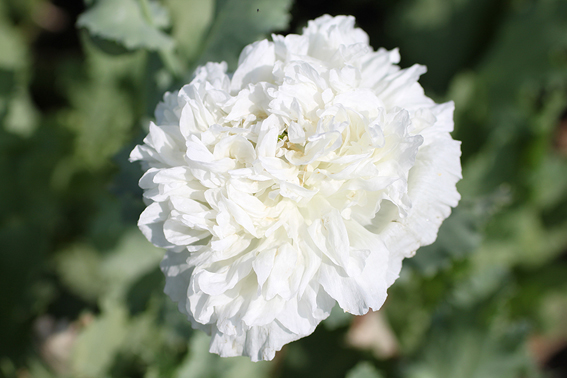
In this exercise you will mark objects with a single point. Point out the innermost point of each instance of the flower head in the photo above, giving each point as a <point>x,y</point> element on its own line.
<point>300,181</point>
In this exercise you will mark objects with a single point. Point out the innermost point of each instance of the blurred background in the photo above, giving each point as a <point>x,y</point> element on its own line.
<point>81,294</point>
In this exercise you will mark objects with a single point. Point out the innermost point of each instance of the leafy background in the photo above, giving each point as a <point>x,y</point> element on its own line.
<point>80,289</point>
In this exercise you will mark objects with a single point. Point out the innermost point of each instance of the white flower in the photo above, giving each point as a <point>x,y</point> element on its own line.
<point>300,181</point>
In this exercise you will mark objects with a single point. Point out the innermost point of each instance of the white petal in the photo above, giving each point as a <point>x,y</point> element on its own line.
<point>254,65</point>
<point>151,223</point>
<point>302,180</point>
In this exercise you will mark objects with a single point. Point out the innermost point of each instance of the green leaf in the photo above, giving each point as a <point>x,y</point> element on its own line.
<point>508,83</point>
<point>338,318</point>
<point>191,20</point>
<point>202,364</point>
<point>96,346</point>
<point>105,101</point>
<point>479,286</point>
<point>460,346</point>
<point>240,22</point>
<point>102,119</point>
<point>140,292</point>
<point>132,258</point>
<point>518,237</point>
<point>17,112</point>
<point>157,13</point>
<point>459,235</point>
<point>539,293</point>
<point>538,27</point>
<point>22,264</point>
<point>22,117</point>
<point>443,35</point>
<point>364,369</point>
<point>143,335</point>
<point>552,313</point>
<point>135,24</point>
<point>37,369</point>
<point>94,275</point>
<point>79,268</point>
<point>7,87</point>
<point>13,54</point>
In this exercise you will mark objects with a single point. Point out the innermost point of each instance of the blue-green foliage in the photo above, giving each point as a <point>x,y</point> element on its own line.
<point>73,264</point>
